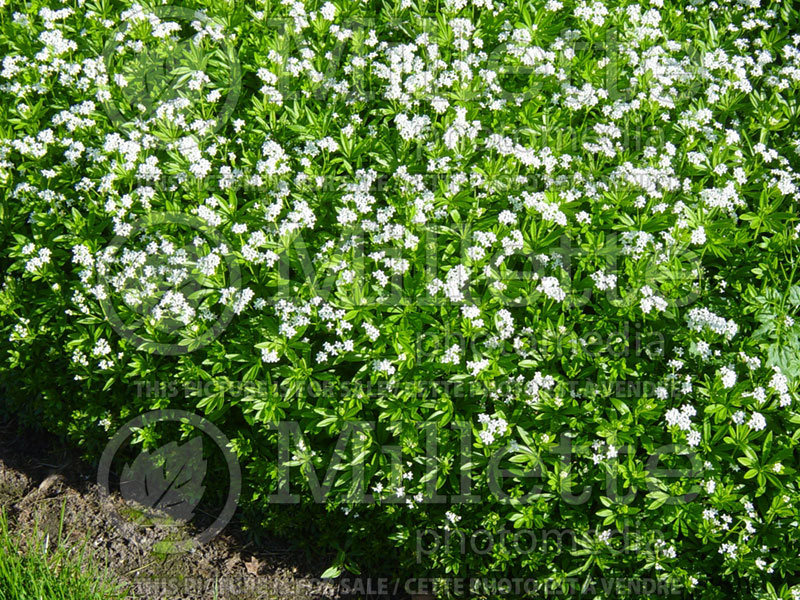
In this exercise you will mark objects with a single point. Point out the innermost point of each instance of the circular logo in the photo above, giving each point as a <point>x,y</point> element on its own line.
<point>174,64</point>
<point>169,480</point>
<point>167,285</point>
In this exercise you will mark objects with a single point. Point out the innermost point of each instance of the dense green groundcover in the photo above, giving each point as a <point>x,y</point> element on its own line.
<point>538,252</point>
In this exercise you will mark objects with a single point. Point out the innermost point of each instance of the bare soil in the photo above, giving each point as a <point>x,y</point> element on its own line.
<point>40,478</point>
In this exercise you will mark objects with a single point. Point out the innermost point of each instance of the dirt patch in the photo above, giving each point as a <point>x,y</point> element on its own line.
<point>40,480</point>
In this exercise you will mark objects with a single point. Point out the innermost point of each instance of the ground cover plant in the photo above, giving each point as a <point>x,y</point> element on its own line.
<point>446,274</point>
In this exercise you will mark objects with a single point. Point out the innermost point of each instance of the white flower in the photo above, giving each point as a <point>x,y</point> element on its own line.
<point>381,277</point>
<point>780,384</point>
<point>269,356</point>
<point>385,366</point>
<point>700,318</point>
<point>459,128</point>
<point>507,217</point>
<point>494,428</point>
<point>594,13</point>
<point>728,377</point>
<point>456,279</point>
<point>551,288</point>
<point>699,236</point>
<point>673,416</point>
<point>328,11</point>
<point>505,324</point>
<point>42,258</point>
<point>414,128</point>
<point>452,517</point>
<point>757,422</point>
<point>101,348</point>
<point>602,281</point>
<point>470,312</point>
<point>373,333</point>
<point>650,301</point>
<point>452,356</point>
<point>681,418</point>
<point>243,298</point>
<point>476,366</point>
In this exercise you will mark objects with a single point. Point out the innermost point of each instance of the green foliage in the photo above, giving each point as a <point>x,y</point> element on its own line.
<point>446,240</point>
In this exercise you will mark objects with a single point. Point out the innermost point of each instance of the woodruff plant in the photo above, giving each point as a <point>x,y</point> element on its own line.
<point>542,242</point>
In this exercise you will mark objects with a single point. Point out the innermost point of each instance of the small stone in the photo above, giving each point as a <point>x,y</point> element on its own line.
<point>52,482</point>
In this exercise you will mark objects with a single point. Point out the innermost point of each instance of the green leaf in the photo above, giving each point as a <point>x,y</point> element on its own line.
<point>331,572</point>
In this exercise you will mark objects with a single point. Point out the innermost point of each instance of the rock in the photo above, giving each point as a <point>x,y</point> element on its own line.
<point>53,483</point>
